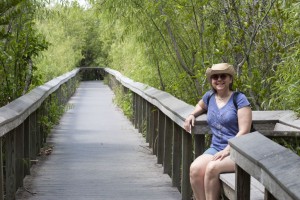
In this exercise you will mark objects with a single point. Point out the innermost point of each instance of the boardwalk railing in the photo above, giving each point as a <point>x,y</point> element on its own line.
<point>23,130</point>
<point>162,117</point>
<point>276,167</point>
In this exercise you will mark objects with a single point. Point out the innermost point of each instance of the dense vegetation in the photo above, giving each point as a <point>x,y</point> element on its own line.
<point>167,44</point>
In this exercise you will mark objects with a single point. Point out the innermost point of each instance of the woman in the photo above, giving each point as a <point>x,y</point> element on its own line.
<point>225,121</point>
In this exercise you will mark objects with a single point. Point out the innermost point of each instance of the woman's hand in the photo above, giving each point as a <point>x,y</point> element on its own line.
<point>222,154</point>
<point>189,122</point>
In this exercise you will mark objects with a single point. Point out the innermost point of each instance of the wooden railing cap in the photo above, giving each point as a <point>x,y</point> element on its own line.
<point>276,167</point>
<point>178,110</point>
<point>14,113</point>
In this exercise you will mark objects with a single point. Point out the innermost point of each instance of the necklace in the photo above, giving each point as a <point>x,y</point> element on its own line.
<point>223,98</point>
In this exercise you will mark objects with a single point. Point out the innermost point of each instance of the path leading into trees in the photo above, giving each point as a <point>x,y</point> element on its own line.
<point>97,154</point>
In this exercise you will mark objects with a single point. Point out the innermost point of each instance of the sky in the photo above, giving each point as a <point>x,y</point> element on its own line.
<point>82,3</point>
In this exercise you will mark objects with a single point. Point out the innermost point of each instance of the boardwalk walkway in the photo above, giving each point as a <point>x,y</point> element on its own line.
<point>97,155</point>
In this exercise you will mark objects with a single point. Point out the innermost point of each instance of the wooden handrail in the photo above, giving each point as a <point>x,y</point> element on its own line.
<point>276,167</point>
<point>21,132</point>
<point>14,113</point>
<point>178,110</point>
<point>162,113</point>
<point>165,109</point>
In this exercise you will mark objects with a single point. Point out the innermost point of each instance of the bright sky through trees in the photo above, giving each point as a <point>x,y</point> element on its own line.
<point>82,3</point>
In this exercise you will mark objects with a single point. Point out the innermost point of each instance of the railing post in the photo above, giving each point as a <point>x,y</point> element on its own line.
<point>59,95</point>
<point>134,108</point>
<point>10,167</point>
<point>199,143</point>
<point>268,196</point>
<point>161,137</point>
<point>19,148</point>
<point>177,156</point>
<point>199,140</point>
<point>187,159</point>
<point>168,133</point>
<point>27,146</point>
<point>148,132</point>
<point>34,127</point>
<point>38,132</point>
<point>140,114</point>
<point>145,120</point>
<point>154,129</point>
<point>242,184</point>
<point>1,172</point>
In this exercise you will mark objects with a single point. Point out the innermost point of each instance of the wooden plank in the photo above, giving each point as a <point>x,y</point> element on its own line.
<point>187,159</point>
<point>148,116</point>
<point>140,114</point>
<point>199,143</point>
<point>281,173</point>
<point>168,133</point>
<point>281,130</point>
<point>97,158</point>
<point>19,153</point>
<point>14,113</point>
<point>269,196</point>
<point>283,127</point>
<point>290,120</point>
<point>242,186</point>
<point>154,129</point>
<point>161,137</point>
<point>135,110</point>
<point>273,165</point>
<point>27,143</point>
<point>228,186</point>
<point>247,153</point>
<point>151,125</point>
<point>2,192</point>
<point>144,119</point>
<point>177,155</point>
<point>10,167</point>
<point>33,135</point>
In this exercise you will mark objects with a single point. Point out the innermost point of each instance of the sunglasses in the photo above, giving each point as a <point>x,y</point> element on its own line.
<point>217,76</point>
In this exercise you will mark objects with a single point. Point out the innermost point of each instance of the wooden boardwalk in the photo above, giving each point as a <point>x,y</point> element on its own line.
<point>97,154</point>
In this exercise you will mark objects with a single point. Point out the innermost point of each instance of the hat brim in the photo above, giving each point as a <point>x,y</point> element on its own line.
<point>229,70</point>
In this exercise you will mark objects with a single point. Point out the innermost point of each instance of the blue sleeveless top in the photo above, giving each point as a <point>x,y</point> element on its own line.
<point>223,122</point>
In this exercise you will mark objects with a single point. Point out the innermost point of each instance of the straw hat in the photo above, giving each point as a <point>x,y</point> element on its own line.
<point>221,68</point>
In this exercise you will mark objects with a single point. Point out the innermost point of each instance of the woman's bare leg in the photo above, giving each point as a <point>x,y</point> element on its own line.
<point>197,174</point>
<point>212,181</point>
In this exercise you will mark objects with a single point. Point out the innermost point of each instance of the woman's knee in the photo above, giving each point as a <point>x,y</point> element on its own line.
<point>217,167</point>
<point>212,169</point>
<point>197,169</point>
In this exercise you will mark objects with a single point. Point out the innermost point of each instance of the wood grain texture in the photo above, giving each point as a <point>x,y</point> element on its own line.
<point>97,157</point>
<point>276,167</point>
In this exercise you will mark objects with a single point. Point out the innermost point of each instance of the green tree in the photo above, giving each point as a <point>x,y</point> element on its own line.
<point>19,44</point>
<point>64,27</point>
<point>172,43</point>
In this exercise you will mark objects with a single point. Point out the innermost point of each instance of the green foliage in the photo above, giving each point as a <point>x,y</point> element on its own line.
<point>51,114</point>
<point>165,44</point>
<point>64,29</point>
<point>124,101</point>
<point>19,43</point>
<point>291,143</point>
<point>286,84</point>
<point>169,44</point>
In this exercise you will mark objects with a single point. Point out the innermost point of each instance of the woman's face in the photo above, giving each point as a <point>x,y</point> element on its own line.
<point>221,82</point>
